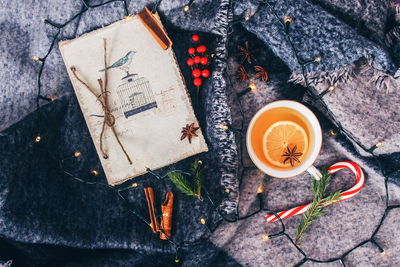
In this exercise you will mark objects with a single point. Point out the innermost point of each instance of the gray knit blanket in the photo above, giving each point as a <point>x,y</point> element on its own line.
<point>340,58</point>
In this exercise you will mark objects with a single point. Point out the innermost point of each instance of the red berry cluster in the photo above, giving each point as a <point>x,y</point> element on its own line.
<point>198,61</point>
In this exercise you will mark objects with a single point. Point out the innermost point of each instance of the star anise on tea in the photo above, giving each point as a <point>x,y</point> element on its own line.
<point>261,73</point>
<point>291,155</point>
<point>242,74</point>
<point>246,53</point>
<point>189,131</point>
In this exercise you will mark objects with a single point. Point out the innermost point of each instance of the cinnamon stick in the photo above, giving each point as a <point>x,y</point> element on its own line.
<point>166,219</point>
<point>148,191</point>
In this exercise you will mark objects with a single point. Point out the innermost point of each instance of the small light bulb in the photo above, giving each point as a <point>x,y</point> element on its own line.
<point>127,18</point>
<point>177,260</point>
<point>288,20</point>
<point>77,154</point>
<point>134,185</point>
<point>199,162</point>
<point>247,16</point>
<point>37,139</point>
<point>332,132</point>
<point>317,59</point>
<point>186,8</point>
<point>260,189</point>
<point>43,19</point>
<point>203,221</point>
<point>36,58</point>
<point>331,88</point>
<point>253,87</point>
<point>224,127</point>
<point>265,237</point>
<point>379,144</point>
<point>94,172</point>
<point>53,97</point>
<point>227,190</point>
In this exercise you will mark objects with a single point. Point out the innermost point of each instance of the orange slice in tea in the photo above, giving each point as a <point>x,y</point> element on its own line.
<point>279,137</point>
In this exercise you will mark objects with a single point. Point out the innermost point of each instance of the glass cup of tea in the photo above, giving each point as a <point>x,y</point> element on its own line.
<point>284,139</point>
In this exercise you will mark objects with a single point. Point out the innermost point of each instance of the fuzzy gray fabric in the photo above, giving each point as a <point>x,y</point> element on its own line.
<point>345,225</point>
<point>47,218</point>
<point>311,27</point>
<point>340,54</point>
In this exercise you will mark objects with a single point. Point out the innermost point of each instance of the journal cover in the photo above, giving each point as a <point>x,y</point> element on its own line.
<point>135,104</point>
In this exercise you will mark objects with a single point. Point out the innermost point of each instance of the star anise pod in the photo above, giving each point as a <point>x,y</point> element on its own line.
<point>261,73</point>
<point>242,74</point>
<point>189,131</point>
<point>291,155</point>
<point>246,53</point>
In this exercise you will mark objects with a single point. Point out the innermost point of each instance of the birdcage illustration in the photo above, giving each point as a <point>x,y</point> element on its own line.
<point>135,95</point>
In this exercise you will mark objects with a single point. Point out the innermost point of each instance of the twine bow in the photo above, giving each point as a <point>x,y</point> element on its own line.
<point>109,118</point>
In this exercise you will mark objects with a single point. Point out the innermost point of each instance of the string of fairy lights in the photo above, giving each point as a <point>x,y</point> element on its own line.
<point>285,23</point>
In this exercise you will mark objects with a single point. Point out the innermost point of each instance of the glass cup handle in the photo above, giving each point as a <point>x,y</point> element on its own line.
<point>314,172</point>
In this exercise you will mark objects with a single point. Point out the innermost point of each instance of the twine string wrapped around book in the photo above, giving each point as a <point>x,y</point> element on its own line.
<point>109,119</point>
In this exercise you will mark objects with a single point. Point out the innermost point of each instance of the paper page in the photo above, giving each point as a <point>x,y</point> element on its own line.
<point>147,97</point>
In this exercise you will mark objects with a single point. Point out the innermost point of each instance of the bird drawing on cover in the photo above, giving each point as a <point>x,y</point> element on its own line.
<point>122,63</point>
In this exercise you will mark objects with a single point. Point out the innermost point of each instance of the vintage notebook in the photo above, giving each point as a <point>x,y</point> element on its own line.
<point>146,96</point>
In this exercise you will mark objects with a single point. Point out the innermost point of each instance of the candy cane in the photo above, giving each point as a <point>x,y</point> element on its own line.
<point>343,196</point>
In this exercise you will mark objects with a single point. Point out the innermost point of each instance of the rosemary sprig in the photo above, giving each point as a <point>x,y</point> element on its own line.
<point>190,188</point>
<point>317,206</point>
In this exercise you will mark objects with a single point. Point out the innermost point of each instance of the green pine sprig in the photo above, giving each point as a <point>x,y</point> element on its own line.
<point>191,187</point>
<point>317,206</point>
<point>197,172</point>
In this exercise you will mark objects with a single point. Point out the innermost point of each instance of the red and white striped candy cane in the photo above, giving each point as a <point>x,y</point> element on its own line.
<point>343,196</point>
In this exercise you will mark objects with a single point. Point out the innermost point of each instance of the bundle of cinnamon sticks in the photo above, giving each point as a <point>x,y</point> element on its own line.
<point>165,225</point>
